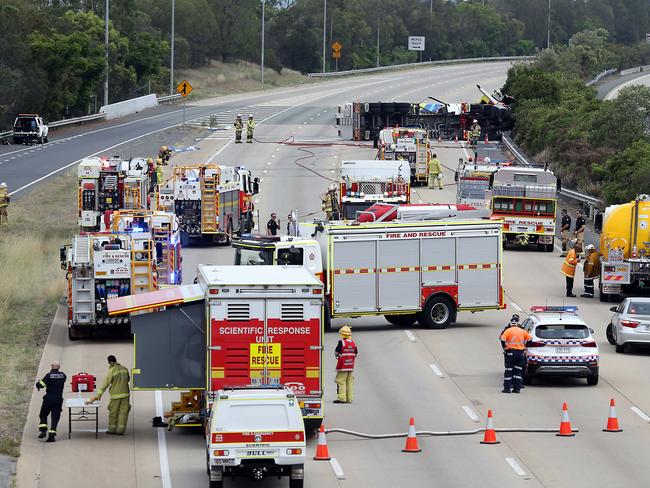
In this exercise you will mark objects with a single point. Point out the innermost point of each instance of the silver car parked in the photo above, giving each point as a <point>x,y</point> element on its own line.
<point>630,323</point>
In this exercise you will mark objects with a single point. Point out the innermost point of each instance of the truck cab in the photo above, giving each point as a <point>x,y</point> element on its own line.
<point>279,250</point>
<point>255,432</point>
<point>29,128</point>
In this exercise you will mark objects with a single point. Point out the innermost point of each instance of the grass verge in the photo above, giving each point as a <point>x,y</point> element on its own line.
<point>219,79</point>
<point>31,285</point>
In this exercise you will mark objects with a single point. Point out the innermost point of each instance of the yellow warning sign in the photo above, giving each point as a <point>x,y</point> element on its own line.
<point>184,88</point>
<point>266,355</point>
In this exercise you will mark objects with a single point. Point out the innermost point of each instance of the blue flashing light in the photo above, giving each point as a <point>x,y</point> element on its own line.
<point>558,308</point>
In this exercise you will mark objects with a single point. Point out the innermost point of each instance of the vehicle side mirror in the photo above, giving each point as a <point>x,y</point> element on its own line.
<point>613,309</point>
<point>559,185</point>
<point>598,222</point>
<point>591,331</point>
<point>256,186</point>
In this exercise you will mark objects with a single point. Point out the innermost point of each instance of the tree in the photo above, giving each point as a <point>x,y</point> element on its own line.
<point>626,174</point>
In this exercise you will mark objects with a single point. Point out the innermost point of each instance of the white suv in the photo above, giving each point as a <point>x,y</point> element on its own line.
<point>562,345</point>
<point>256,432</point>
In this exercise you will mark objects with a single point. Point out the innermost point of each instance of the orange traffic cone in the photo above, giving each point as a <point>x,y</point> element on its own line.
<point>565,425</point>
<point>322,452</point>
<point>612,421</point>
<point>411,439</point>
<point>490,436</point>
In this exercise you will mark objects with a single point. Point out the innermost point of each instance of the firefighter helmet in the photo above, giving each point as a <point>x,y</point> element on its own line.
<point>332,187</point>
<point>3,185</point>
<point>149,160</point>
<point>250,116</point>
<point>514,319</point>
<point>590,247</point>
<point>475,121</point>
<point>345,332</point>
<point>159,161</point>
<point>487,160</point>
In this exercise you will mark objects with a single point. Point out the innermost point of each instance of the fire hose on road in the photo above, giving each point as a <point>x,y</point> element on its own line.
<point>431,433</point>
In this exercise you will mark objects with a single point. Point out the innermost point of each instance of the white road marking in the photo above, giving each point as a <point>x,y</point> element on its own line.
<point>162,446</point>
<point>436,370</point>
<point>410,335</point>
<point>471,413</point>
<point>640,413</point>
<point>219,151</point>
<point>516,307</point>
<point>89,430</point>
<point>515,466</point>
<point>338,470</point>
<point>268,163</point>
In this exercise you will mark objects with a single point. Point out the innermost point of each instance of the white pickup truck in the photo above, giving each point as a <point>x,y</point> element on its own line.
<point>29,128</point>
<point>256,432</point>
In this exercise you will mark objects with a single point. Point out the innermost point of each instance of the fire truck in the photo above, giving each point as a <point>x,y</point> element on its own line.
<point>109,185</point>
<point>525,199</point>
<point>407,271</point>
<point>164,230</point>
<point>101,266</point>
<point>210,201</point>
<point>364,183</point>
<point>236,327</point>
<point>473,182</point>
<point>409,144</point>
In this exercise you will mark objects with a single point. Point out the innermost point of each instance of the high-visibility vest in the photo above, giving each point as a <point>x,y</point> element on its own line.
<point>515,338</point>
<point>569,264</point>
<point>347,356</point>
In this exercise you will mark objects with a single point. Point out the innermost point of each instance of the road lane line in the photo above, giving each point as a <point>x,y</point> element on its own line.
<point>471,413</point>
<point>162,445</point>
<point>640,413</point>
<point>410,335</point>
<point>436,370</point>
<point>516,307</point>
<point>515,466</point>
<point>338,470</point>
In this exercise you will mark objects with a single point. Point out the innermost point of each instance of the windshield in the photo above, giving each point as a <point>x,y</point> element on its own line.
<point>25,125</point>
<point>247,256</point>
<point>639,308</point>
<point>524,206</point>
<point>562,331</point>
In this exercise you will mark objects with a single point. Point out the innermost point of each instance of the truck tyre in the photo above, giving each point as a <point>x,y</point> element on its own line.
<point>438,313</point>
<point>217,483</point>
<point>18,140</point>
<point>72,333</point>
<point>620,349</point>
<point>46,140</point>
<point>401,320</point>
<point>327,317</point>
<point>610,335</point>
<point>592,380</point>
<point>312,425</point>
<point>297,483</point>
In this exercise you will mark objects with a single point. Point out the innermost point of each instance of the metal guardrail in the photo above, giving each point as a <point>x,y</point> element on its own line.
<point>415,65</point>
<point>76,120</point>
<point>169,98</point>
<point>602,75</point>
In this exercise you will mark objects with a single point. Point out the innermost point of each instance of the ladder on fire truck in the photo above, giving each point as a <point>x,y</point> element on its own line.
<point>143,278</point>
<point>81,291</point>
<point>162,233</point>
<point>132,197</point>
<point>209,203</point>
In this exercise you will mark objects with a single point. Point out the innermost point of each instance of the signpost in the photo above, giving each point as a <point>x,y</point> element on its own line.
<point>336,53</point>
<point>647,37</point>
<point>416,43</point>
<point>184,88</point>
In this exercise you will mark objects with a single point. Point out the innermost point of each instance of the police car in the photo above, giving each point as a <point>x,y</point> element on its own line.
<point>562,345</point>
<point>255,432</point>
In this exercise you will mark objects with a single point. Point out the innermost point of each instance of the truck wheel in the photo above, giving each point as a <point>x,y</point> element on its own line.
<point>18,140</point>
<point>46,140</point>
<point>216,484</point>
<point>610,335</point>
<point>592,380</point>
<point>438,313</point>
<point>620,349</point>
<point>72,333</point>
<point>401,320</point>
<point>297,470</point>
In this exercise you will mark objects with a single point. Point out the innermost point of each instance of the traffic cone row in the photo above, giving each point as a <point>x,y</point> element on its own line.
<point>489,436</point>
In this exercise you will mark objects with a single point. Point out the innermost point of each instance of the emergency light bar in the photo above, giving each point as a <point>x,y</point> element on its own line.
<point>565,308</point>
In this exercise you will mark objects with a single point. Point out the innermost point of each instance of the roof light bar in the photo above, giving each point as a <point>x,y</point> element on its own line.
<point>564,308</point>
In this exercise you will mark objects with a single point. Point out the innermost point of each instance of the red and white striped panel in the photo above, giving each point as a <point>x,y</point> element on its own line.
<point>478,266</point>
<point>438,268</point>
<point>346,271</point>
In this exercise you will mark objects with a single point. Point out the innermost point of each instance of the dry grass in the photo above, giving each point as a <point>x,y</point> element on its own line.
<point>31,284</point>
<point>226,78</point>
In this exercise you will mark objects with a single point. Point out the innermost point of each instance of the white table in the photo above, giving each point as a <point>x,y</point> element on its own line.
<point>78,411</point>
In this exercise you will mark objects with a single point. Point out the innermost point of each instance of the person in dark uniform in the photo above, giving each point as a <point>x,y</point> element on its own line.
<point>564,231</point>
<point>53,382</point>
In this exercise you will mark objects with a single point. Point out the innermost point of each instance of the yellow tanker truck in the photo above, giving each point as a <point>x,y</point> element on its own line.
<point>625,248</point>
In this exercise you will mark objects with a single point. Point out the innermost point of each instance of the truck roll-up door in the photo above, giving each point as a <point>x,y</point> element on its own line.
<point>399,276</point>
<point>170,349</point>
<point>478,271</point>
<point>353,275</point>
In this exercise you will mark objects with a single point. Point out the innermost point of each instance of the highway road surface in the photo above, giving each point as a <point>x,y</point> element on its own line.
<point>445,379</point>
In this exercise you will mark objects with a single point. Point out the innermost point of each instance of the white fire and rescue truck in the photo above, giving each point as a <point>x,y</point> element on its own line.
<point>107,185</point>
<point>473,182</point>
<point>211,201</point>
<point>264,328</point>
<point>364,183</point>
<point>407,144</point>
<point>408,271</point>
<point>102,266</point>
<point>163,227</point>
<point>525,198</point>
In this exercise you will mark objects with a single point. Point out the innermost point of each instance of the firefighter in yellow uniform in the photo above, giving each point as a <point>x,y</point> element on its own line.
<point>435,172</point>
<point>117,382</point>
<point>346,354</point>
<point>239,125</point>
<point>4,203</point>
<point>160,177</point>
<point>330,204</point>
<point>250,127</point>
<point>475,132</point>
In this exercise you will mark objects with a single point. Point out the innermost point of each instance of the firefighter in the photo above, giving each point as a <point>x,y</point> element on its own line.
<point>4,203</point>
<point>564,231</point>
<point>152,174</point>
<point>239,125</point>
<point>514,342</point>
<point>164,154</point>
<point>591,270</point>
<point>435,172</point>
<point>53,382</point>
<point>330,204</point>
<point>475,132</point>
<point>250,127</point>
<point>569,267</point>
<point>579,232</point>
<point>346,352</point>
<point>117,380</point>
<point>160,177</point>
